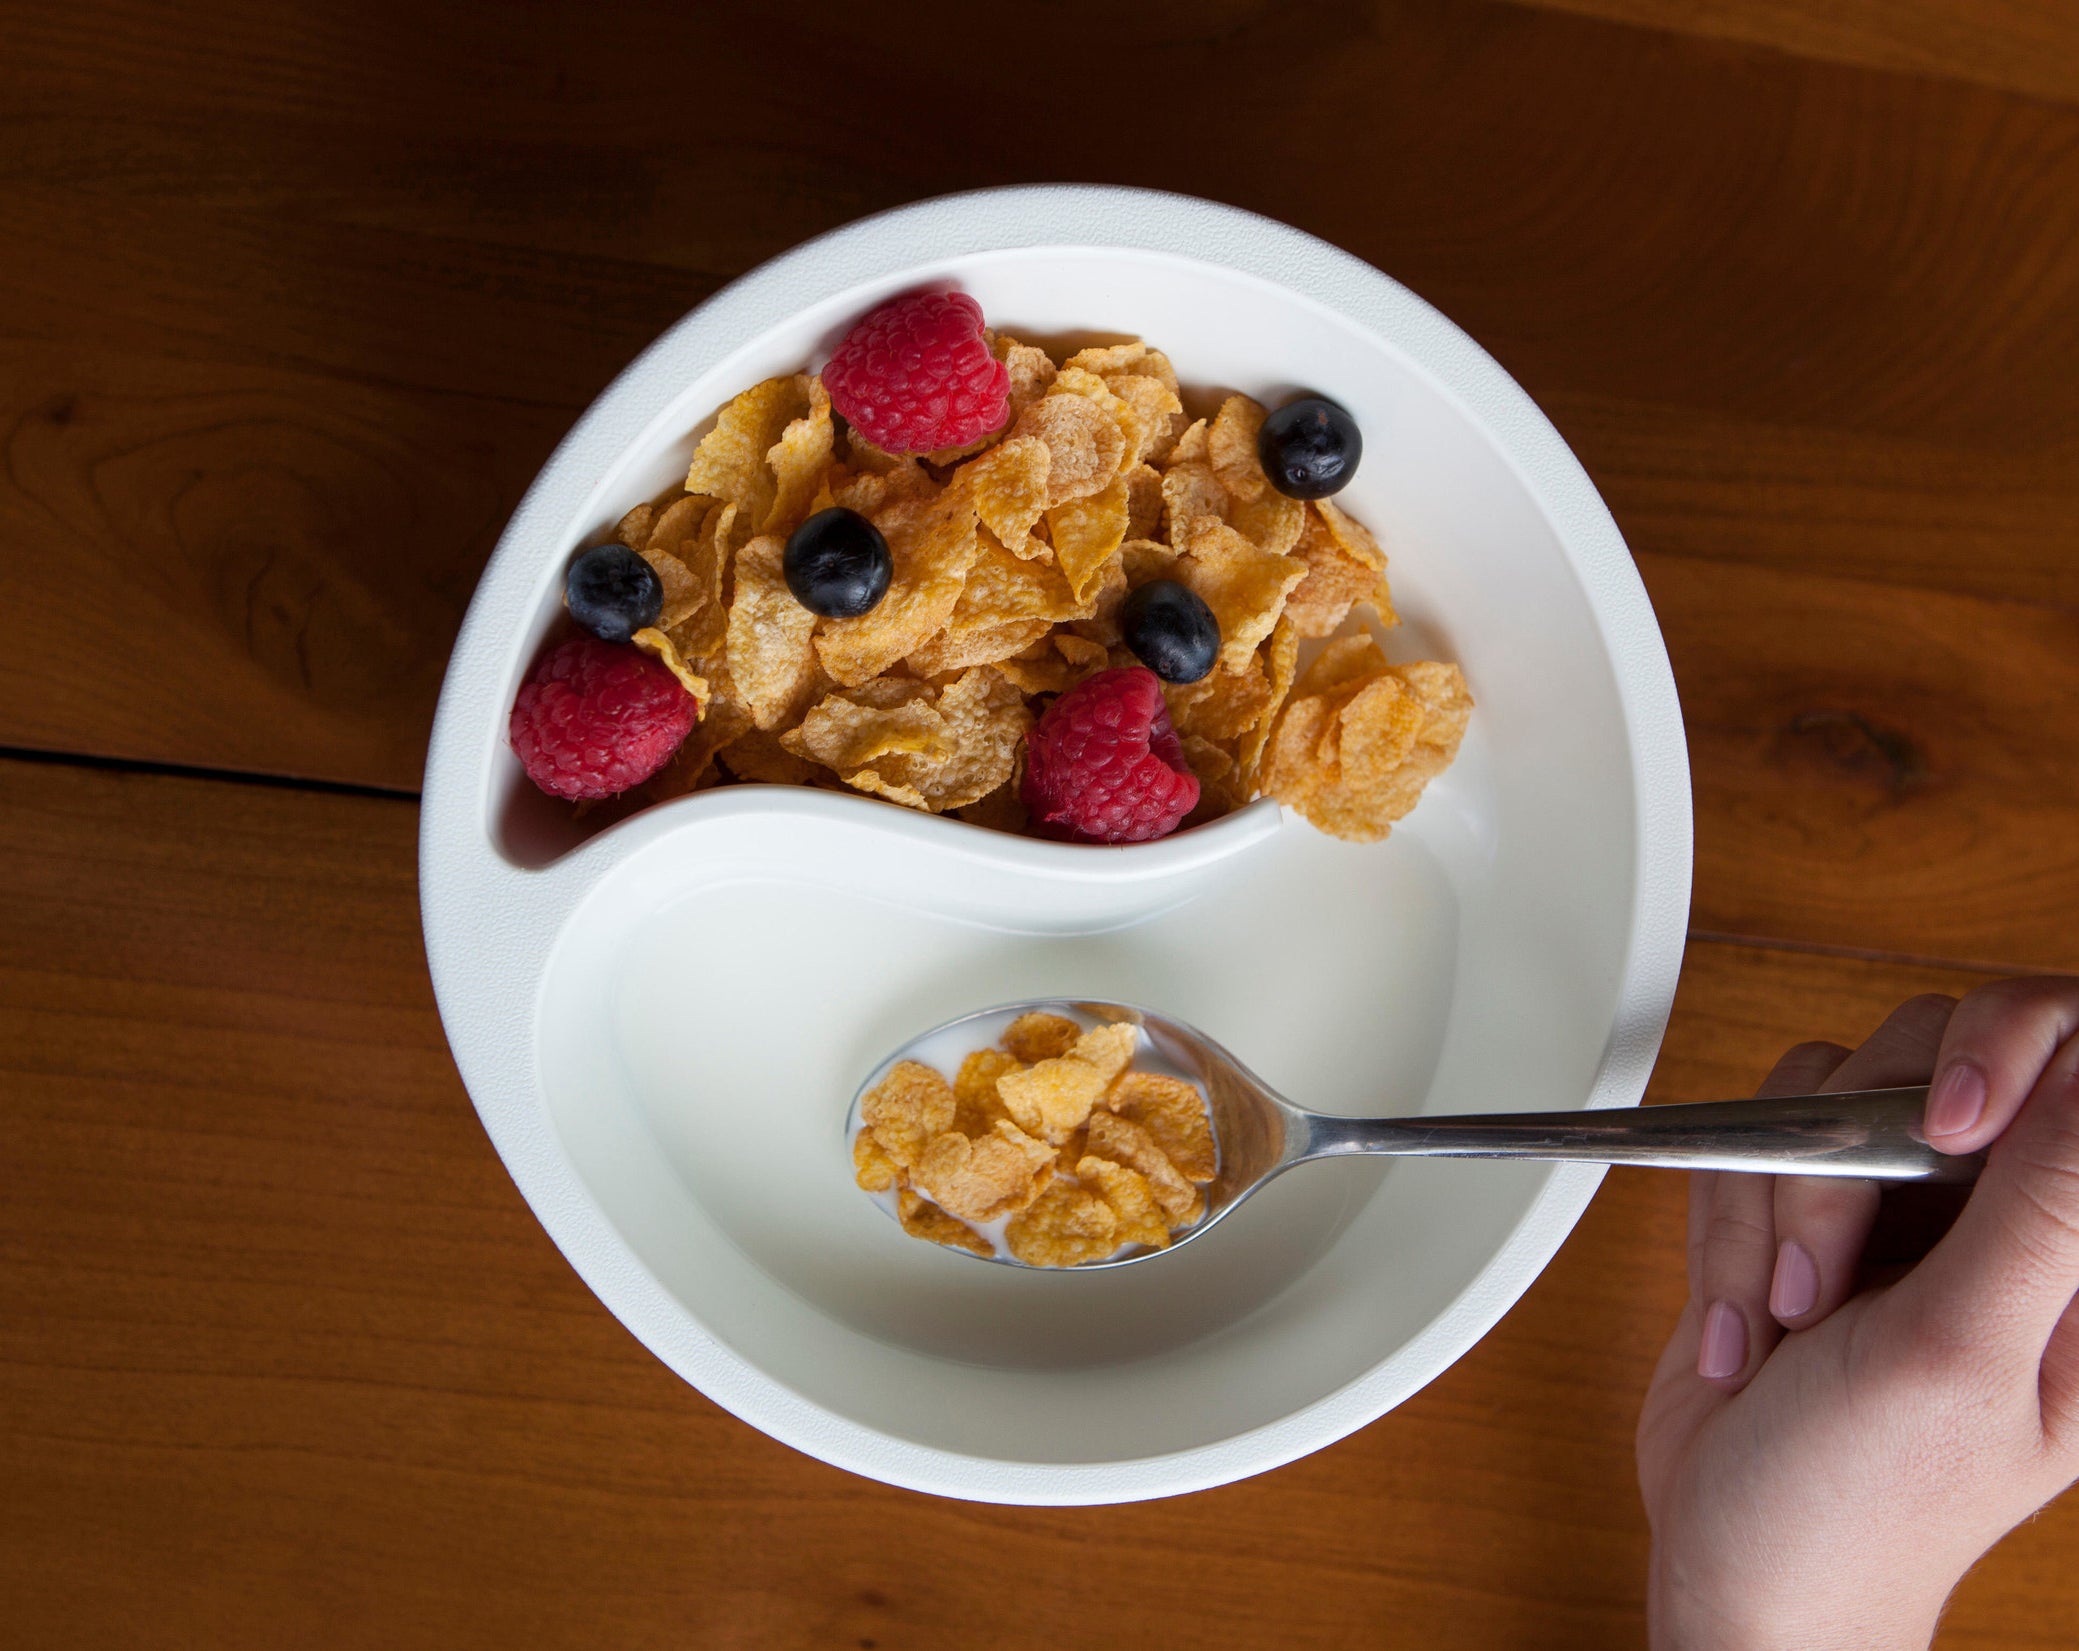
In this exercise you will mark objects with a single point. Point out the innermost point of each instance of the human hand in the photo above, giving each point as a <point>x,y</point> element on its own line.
<point>1823,1457</point>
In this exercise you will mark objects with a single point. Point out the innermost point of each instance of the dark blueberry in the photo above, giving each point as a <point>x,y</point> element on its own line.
<point>1171,631</point>
<point>613,592</point>
<point>1309,448</point>
<point>838,564</point>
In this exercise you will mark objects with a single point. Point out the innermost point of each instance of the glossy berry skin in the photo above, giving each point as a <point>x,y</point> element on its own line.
<point>1171,631</point>
<point>594,719</point>
<point>915,375</point>
<point>1309,448</point>
<point>837,564</point>
<point>1103,764</point>
<point>613,592</point>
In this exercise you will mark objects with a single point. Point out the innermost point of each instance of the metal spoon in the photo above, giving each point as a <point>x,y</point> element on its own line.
<point>1872,1134</point>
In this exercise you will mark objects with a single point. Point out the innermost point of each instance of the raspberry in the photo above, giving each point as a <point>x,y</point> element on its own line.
<point>595,719</point>
<point>916,375</point>
<point>1103,765</point>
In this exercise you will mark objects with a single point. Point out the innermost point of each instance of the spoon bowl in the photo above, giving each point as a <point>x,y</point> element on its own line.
<point>1868,1134</point>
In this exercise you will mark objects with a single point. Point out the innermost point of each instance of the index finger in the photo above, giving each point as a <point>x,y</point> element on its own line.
<point>2006,1272</point>
<point>1998,1043</point>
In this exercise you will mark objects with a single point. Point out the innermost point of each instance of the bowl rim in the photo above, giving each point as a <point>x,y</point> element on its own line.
<point>485,970</point>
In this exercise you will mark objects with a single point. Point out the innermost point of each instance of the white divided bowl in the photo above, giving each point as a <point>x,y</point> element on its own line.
<point>662,1026</point>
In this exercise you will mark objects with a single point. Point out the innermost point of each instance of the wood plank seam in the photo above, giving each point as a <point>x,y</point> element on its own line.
<point>197,771</point>
<point>1696,935</point>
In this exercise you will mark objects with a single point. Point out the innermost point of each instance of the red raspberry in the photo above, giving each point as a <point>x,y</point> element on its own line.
<point>595,719</point>
<point>916,375</point>
<point>1103,765</point>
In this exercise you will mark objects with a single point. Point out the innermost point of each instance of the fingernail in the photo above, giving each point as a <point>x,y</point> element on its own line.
<point>1725,1342</point>
<point>1957,1100</point>
<point>1794,1291</point>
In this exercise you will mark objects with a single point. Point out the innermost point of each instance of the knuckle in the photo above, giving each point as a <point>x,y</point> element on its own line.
<point>1737,1230</point>
<point>2047,1230</point>
<point>2047,1142</point>
<point>2010,990</point>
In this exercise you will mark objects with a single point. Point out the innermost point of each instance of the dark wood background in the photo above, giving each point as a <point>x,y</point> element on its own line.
<point>295,298</point>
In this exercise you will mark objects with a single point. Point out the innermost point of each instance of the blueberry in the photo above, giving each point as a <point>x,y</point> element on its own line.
<point>1309,448</point>
<point>838,564</point>
<point>613,592</point>
<point>1171,631</point>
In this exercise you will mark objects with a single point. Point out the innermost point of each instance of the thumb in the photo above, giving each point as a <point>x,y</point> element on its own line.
<point>2005,1273</point>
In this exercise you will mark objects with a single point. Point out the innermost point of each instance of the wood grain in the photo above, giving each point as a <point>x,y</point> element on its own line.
<point>1877,766</point>
<point>282,1351</point>
<point>288,555</point>
<point>2027,46</point>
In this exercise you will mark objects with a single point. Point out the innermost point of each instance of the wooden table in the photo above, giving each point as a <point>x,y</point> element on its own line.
<point>295,299</point>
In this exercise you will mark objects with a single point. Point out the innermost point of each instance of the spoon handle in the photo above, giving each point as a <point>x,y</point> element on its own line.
<point>1871,1133</point>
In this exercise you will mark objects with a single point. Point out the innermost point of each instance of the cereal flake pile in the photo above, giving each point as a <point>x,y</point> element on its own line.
<point>1012,559</point>
<point>1053,1129</point>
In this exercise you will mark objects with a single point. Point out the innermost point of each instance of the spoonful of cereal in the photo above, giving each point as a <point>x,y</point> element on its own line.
<point>1096,1135</point>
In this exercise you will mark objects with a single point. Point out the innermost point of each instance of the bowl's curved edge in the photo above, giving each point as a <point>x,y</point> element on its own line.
<point>483,979</point>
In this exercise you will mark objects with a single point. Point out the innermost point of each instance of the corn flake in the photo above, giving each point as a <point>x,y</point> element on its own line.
<point>1009,482</point>
<point>1351,535</point>
<point>1244,586</point>
<point>984,1179</point>
<point>849,729</point>
<point>1084,445</point>
<point>1281,660</point>
<point>1052,1099</point>
<point>1002,587</point>
<point>633,529</point>
<point>872,1168</point>
<point>661,648</point>
<point>916,744</point>
<point>1032,372</point>
<point>1107,1048</point>
<point>1223,704</point>
<point>909,1107</point>
<point>1125,1142</point>
<point>1173,1113</point>
<point>1336,580</point>
<point>985,719</point>
<point>1231,448</point>
<point>1040,1036</point>
<point>1148,414</point>
<point>1143,501</point>
<point>771,638</point>
<point>731,464</point>
<point>1104,360</point>
<point>799,460</point>
<point>957,650</point>
<point>1065,1227</point>
<point>1360,738</point>
<point>1191,447</point>
<point>1087,533</point>
<point>1141,1219</point>
<point>1191,494</point>
<point>921,1219</point>
<point>974,1090</point>
<point>933,543</point>
<point>670,537</point>
<point>1270,521</point>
